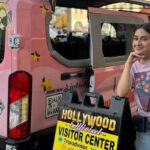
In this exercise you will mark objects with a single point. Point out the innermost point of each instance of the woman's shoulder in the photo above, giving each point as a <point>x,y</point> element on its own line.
<point>139,67</point>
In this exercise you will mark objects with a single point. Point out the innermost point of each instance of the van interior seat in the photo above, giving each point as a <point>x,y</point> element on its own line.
<point>113,47</point>
<point>74,48</point>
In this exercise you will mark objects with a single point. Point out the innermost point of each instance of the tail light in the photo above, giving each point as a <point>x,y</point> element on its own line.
<point>20,85</point>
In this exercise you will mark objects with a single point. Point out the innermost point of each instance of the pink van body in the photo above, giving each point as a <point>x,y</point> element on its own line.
<point>27,20</point>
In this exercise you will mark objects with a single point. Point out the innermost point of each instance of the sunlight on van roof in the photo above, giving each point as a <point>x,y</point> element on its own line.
<point>124,6</point>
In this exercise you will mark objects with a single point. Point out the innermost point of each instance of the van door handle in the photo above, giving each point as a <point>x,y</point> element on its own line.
<point>65,76</point>
<point>68,75</point>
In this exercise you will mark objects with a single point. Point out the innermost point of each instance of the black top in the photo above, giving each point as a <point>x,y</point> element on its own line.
<point>84,4</point>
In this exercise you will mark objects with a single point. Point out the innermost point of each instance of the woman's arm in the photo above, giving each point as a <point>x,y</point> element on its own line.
<point>124,85</point>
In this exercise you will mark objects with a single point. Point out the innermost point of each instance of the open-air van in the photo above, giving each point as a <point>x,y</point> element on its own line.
<point>35,68</point>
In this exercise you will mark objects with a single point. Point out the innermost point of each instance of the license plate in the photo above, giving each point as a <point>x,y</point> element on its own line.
<point>52,103</point>
<point>11,147</point>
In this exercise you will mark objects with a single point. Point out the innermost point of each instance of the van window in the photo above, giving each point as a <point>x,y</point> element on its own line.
<point>2,44</point>
<point>68,33</point>
<point>113,39</point>
<point>3,23</point>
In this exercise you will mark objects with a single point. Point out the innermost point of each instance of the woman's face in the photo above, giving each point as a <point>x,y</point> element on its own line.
<point>141,43</point>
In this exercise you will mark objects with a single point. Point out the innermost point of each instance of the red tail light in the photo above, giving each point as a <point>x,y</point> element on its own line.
<point>20,85</point>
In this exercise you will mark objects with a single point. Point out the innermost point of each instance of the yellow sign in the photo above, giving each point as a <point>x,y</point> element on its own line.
<point>89,119</point>
<point>68,137</point>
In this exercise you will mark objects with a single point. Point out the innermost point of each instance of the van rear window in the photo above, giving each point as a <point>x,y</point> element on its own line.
<point>68,31</point>
<point>2,44</point>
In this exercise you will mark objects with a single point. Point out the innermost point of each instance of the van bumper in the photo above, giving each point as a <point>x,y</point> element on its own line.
<point>10,144</point>
<point>42,140</point>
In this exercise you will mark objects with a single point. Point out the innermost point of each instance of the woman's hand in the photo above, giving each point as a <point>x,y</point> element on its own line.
<point>124,84</point>
<point>133,57</point>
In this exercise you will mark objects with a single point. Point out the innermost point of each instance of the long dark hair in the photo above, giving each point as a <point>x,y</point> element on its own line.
<point>145,26</point>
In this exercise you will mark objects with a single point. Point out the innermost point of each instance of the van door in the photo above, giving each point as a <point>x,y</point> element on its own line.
<point>111,38</point>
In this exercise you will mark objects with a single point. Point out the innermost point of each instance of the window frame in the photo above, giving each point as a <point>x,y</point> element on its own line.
<point>2,35</point>
<point>96,20</point>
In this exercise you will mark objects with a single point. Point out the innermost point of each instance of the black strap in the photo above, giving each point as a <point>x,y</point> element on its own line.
<point>148,104</point>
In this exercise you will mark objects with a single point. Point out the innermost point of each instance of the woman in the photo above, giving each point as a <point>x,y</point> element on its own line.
<point>136,76</point>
